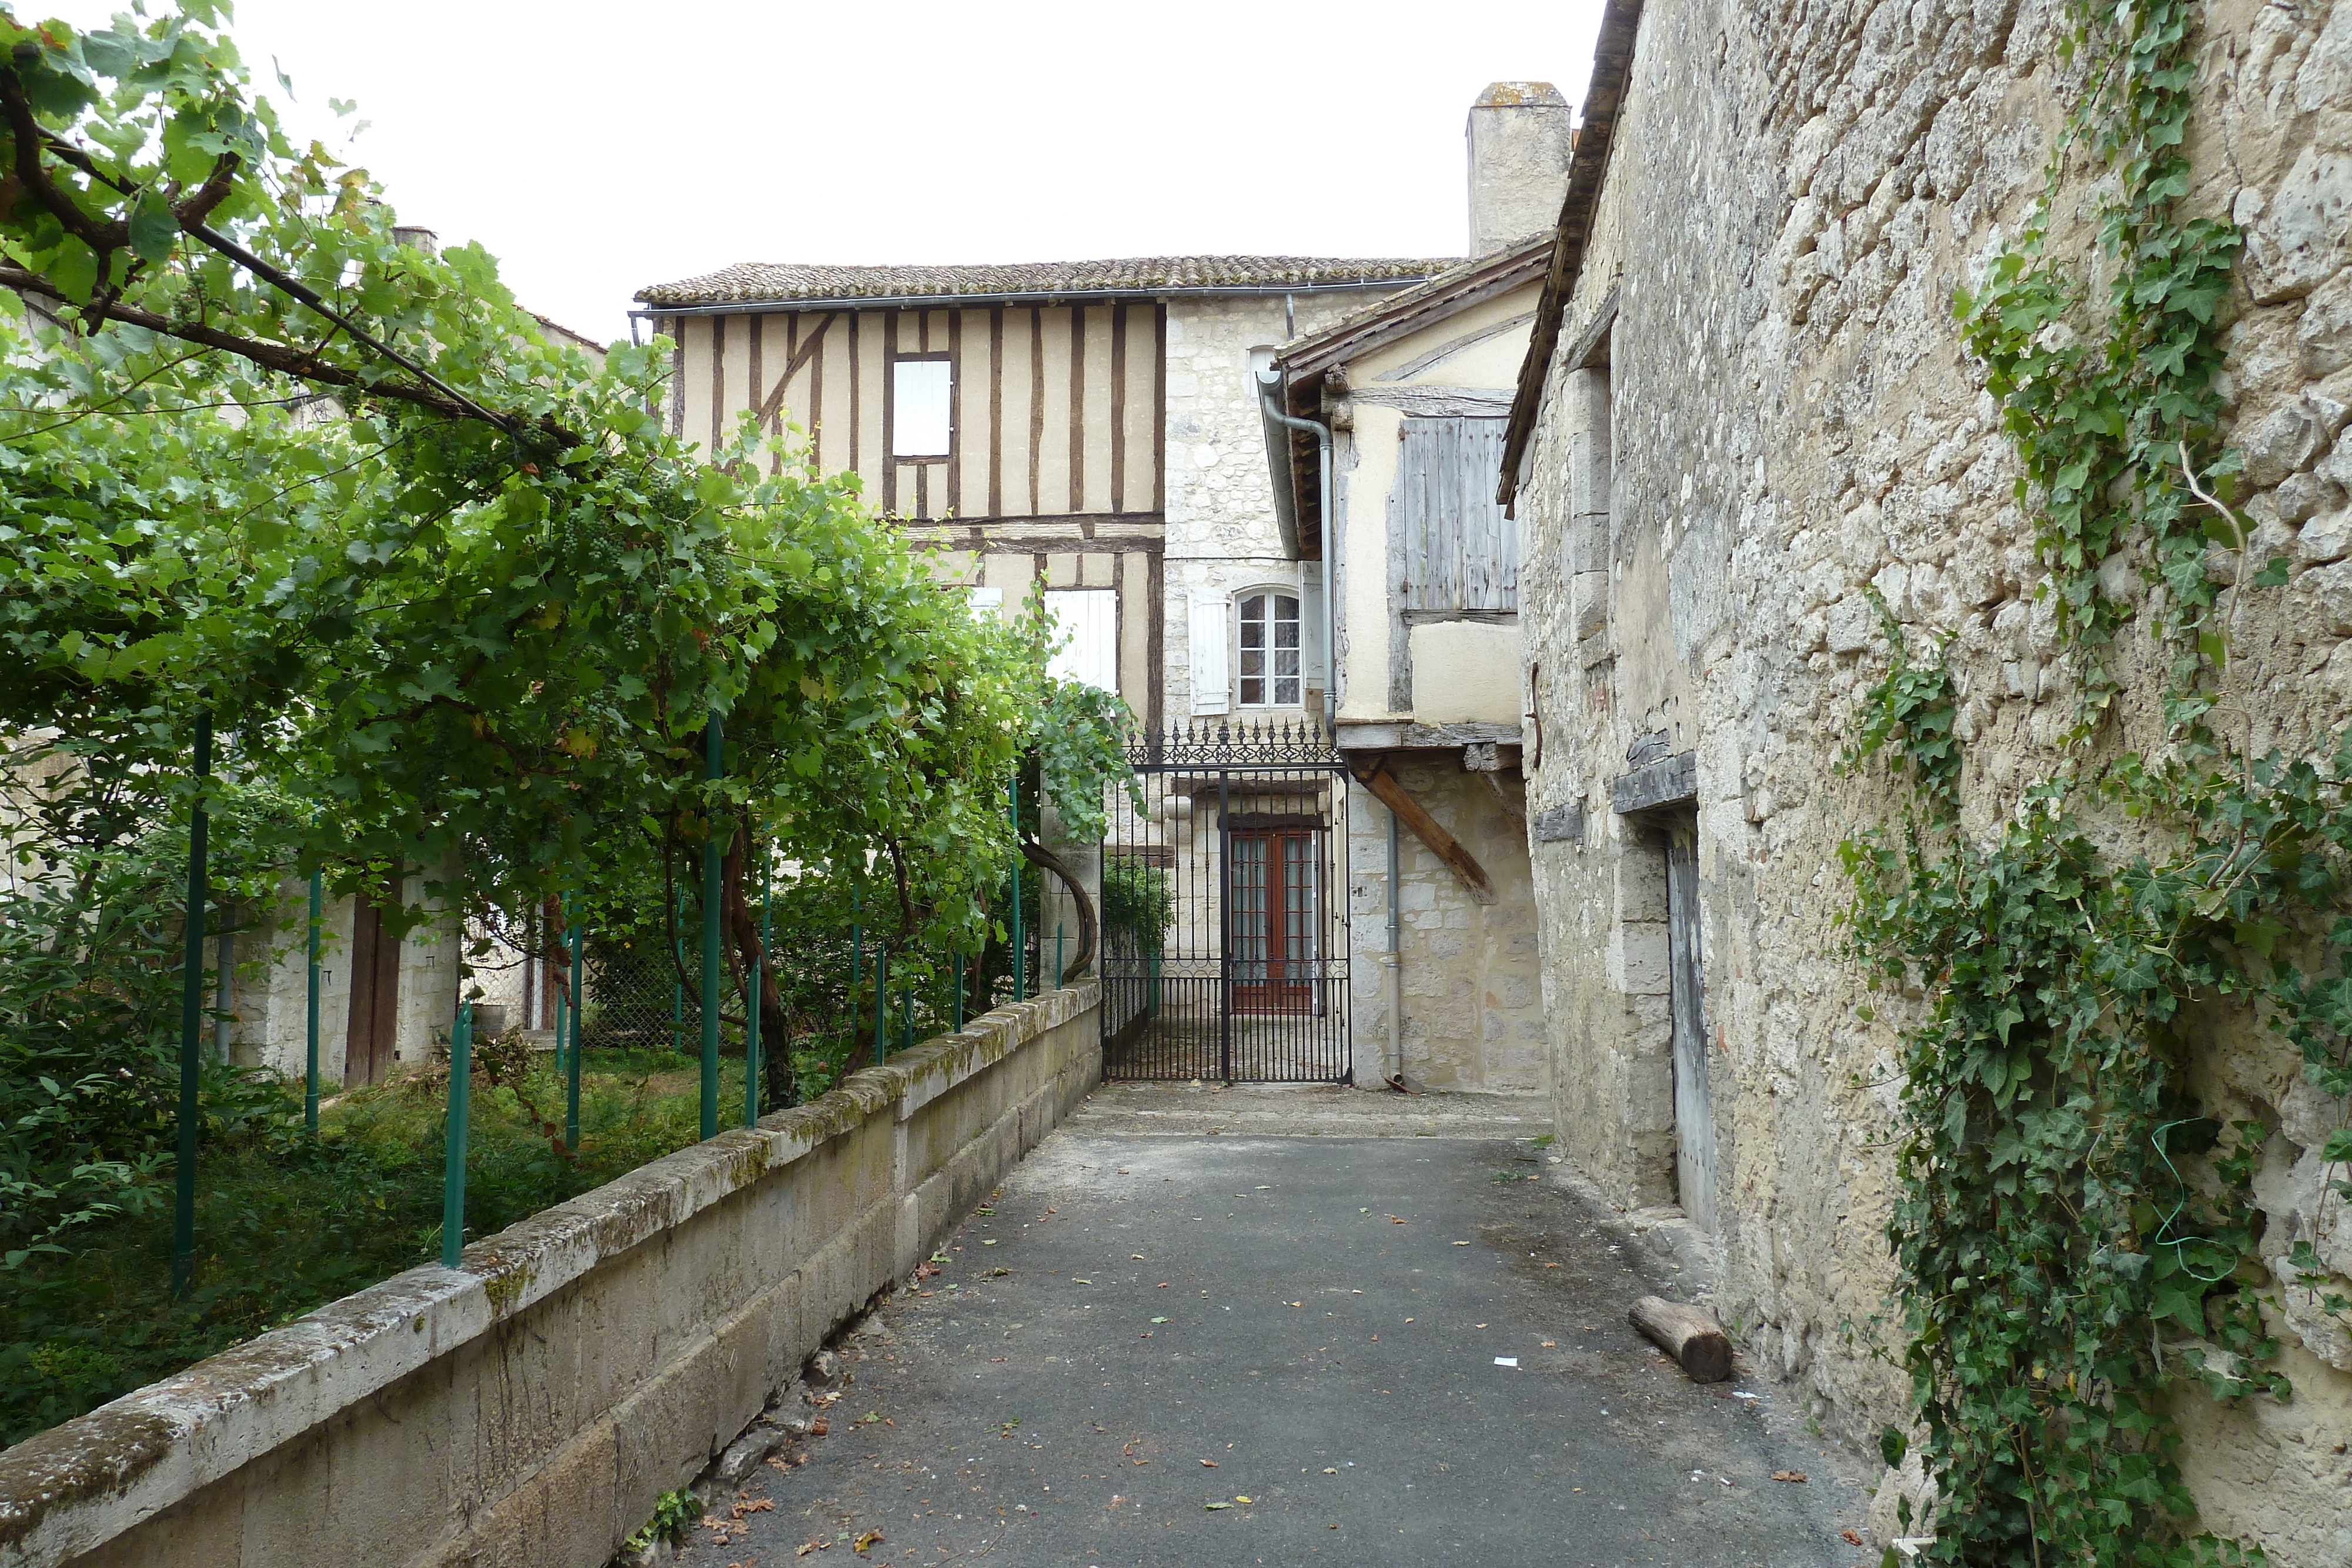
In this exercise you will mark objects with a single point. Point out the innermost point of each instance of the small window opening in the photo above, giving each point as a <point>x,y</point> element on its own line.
<point>1269,651</point>
<point>918,408</point>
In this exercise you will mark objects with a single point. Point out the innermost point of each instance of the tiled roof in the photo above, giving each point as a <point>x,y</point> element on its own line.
<point>1461,284</point>
<point>752,282</point>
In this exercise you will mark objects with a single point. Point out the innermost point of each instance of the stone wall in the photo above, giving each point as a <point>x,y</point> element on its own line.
<point>529,1408</point>
<point>1221,535</point>
<point>1473,1017</point>
<point>1782,414</point>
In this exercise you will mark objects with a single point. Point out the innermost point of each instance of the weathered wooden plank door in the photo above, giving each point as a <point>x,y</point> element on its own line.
<point>373,1031</point>
<point>1694,1115</point>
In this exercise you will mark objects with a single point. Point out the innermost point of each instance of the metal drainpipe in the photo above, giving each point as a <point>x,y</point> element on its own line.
<point>1392,961</point>
<point>1323,530</point>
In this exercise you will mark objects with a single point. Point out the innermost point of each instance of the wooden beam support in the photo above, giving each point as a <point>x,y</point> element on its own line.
<point>1426,828</point>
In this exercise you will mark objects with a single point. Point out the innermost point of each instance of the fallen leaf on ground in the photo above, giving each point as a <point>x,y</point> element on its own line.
<point>1211,1463</point>
<point>1849,1537</point>
<point>821,1427</point>
<point>1787,1475</point>
<point>1212,1506</point>
<point>1159,1320</point>
<point>1241,1499</point>
<point>871,1538</point>
<point>807,1547</point>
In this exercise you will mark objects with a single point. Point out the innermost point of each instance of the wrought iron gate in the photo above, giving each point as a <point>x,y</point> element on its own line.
<point>1225,909</point>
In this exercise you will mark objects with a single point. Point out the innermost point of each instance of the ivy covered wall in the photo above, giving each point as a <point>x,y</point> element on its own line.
<point>1961,487</point>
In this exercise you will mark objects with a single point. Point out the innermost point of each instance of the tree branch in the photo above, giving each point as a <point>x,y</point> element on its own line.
<point>30,138</point>
<point>269,356</point>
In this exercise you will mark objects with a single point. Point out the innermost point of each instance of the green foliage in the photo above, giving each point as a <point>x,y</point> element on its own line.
<point>1912,711</point>
<point>674,1514</point>
<point>2107,409</point>
<point>286,1224</point>
<point>455,599</point>
<point>1139,906</point>
<point>2077,1234</point>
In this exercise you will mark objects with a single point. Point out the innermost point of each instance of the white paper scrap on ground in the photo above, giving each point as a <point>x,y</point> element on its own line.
<point>1507,1361</point>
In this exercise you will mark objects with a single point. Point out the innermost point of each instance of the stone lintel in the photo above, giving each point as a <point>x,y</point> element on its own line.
<point>1669,781</point>
<point>1404,735</point>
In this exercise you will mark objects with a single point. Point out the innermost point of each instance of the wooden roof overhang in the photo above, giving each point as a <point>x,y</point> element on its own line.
<point>1312,371</point>
<point>1612,67</point>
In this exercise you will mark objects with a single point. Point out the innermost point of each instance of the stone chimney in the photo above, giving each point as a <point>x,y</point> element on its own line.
<point>1520,137</point>
<point>417,239</point>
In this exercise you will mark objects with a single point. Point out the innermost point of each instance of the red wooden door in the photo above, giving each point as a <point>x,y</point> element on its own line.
<point>1276,904</point>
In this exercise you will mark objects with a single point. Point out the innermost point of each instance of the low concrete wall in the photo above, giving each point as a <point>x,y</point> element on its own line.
<point>528,1409</point>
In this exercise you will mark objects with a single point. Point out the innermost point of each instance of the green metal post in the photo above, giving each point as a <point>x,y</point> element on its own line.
<point>1151,993</point>
<point>192,1018</point>
<point>714,763</point>
<point>572,1058</point>
<point>678,985</point>
<point>1020,937</point>
<point>881,1007</point>
<point>461,1095</point>
<point>959,992</point>
<point>564,1001</point>
<point>310,1016</point>
<point>751,1014</point>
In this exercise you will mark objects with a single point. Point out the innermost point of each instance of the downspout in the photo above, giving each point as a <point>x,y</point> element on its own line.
<point>1393,980</point>
<point>1323,532</point>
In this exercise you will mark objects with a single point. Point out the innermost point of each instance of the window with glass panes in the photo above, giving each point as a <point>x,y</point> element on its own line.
<point>1268,627</point>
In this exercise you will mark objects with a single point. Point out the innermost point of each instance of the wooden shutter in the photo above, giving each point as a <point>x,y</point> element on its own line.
<point>1088,617</point>
<point>1213,686</point>
<point>1461,552</point>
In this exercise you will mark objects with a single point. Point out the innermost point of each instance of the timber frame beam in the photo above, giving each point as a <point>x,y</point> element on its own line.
<point>1376,777</point>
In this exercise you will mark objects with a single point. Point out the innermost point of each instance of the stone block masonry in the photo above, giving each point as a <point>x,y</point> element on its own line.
<point>529,1408</point>
<point>1760,407</point>
<point>1473,1016</point>
<point>1222,533</point>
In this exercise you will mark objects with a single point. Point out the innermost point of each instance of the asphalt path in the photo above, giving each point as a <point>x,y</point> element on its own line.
<point>1163,1346</point>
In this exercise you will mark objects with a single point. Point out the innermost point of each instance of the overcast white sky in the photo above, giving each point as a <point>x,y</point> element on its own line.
<point>596,148</point>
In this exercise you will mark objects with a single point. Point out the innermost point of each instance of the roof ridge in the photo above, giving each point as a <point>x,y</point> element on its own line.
<point>751,282</point>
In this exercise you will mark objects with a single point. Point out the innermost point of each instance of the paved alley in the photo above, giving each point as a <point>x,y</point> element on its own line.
<point>1279,1326</point>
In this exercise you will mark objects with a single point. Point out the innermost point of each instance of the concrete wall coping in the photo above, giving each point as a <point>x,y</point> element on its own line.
<point>75,1486</point>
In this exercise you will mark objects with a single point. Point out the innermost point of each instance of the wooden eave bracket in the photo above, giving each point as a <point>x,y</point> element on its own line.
<point>1392,794</point>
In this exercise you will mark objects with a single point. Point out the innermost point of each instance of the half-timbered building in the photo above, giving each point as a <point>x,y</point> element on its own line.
<point>1056,424</point>
<point>1101,432</point>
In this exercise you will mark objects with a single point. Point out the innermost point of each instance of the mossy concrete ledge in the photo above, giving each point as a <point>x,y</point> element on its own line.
<point>526,1410</point>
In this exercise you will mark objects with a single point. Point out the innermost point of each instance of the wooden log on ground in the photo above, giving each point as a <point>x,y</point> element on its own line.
<point>1690,1334</point>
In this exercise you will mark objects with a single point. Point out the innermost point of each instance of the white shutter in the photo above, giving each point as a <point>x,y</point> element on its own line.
<point>1088,619</point>
<point>1213,685</point>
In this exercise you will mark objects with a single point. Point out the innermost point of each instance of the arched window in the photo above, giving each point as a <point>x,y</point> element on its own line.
<point>1266,629</point>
